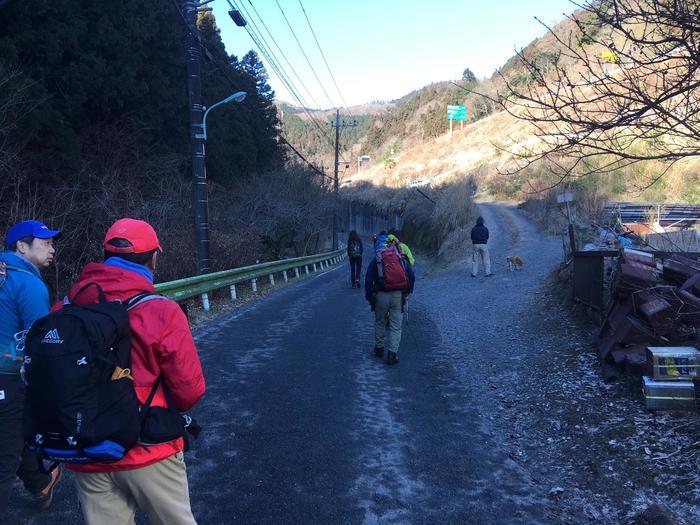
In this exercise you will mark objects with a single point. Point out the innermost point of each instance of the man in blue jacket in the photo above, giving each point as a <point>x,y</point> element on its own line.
<point>24,298</point>
<point>480,236</point>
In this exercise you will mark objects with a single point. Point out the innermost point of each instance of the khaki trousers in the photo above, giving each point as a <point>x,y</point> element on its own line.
<point>388,309</point>
<point>160,490</point>
<point>481,251</point>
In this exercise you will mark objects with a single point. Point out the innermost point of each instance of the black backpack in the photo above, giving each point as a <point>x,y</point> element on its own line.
<point>81,405</point>
<point>355,249</point>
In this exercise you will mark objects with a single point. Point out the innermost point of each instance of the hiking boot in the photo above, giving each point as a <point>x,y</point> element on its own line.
<point>43,499</point>
<point>489,274</point>
<point>391,358</point>
<point>473,275</point>
<point>379,351</point>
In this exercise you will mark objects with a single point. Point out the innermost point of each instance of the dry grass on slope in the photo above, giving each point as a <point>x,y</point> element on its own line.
<point>482,147</point>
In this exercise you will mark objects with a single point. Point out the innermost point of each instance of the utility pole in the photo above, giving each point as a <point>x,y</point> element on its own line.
<point>336,185</point>
<point>200,203</point>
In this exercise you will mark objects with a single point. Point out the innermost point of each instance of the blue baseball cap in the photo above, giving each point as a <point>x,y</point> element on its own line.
<point>25,229</point>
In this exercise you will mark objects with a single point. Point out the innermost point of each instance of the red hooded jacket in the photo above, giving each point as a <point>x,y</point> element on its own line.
<point>161,344</point>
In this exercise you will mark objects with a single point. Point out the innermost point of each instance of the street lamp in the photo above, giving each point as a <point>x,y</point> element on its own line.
<point>239,96</point>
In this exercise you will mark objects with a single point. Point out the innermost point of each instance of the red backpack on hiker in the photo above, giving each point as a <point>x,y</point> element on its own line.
<point>391,269</point>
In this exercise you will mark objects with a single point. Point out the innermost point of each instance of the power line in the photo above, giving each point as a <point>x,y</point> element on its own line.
<point>304,53</point>
<point>282,75</point>
<point>260,42</point>
<point>267,51</point>
<point>280,71</point>
<point>284,141</point>
<point>324,56</point>
<point>274,41</point>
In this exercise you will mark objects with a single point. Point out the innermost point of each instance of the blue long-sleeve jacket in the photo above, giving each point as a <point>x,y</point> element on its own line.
<point>372,276</point>
<point>24,298</point>
<point>480,233</point>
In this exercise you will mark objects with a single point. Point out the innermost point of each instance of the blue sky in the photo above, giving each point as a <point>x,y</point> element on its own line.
<point>383,49</point>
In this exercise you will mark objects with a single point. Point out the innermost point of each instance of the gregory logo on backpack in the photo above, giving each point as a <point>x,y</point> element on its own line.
<point>52,338</point>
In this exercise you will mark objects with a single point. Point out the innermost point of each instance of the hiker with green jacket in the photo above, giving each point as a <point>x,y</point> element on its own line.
<point>393,237</point>
<point>24,298</point>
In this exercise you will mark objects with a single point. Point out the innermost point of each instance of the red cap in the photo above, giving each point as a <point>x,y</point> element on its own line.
<point>140,234</point>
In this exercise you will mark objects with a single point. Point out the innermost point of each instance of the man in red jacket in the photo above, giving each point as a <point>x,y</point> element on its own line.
<point>151,478</point>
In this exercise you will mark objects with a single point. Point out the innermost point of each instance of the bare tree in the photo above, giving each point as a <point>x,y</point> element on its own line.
<point>622,88</point>
<point>15,102</point>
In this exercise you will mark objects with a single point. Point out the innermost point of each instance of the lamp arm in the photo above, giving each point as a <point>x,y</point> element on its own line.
<point>204,119</point>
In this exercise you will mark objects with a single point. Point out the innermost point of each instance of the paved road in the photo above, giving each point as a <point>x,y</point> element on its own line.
<point>304,425</point>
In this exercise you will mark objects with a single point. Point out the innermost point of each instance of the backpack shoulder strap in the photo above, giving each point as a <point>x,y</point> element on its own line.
<point>141,298</point>
<point>4,267</point>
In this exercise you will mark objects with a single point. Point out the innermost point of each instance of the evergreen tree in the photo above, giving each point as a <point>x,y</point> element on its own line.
<point>468,76</point>
<point>252,65</point>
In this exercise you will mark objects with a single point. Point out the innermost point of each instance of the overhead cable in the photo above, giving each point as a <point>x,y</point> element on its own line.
<point>324,56</point>
<point>284,56</point>
<point>301,48</point>
<point>284,141</point>
<point>274,64</point>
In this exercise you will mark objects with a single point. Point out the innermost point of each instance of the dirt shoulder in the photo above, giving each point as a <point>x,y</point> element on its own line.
<point>613,457</point>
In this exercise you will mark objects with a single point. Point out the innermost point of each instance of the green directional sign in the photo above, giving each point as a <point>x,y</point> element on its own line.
<point>457,112</point>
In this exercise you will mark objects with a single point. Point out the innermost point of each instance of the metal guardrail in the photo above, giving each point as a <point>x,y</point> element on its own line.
<point>666,214</point>
<point>203,284</point>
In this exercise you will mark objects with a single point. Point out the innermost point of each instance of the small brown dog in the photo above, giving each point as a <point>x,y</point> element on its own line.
<point>514,263</point>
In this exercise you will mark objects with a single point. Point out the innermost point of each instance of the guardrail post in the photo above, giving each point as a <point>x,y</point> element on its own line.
<point>272,279</point>
<point>254,285</point>
<point>321,265</point>
<point>296,272</point>
<point>233,292</point>
<point>315,268</point>
<point>284,276</point>
<point>205,302</point>
<point>307,269</point>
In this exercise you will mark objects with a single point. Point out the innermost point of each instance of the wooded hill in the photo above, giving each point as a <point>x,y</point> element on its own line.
<point>94,125</point>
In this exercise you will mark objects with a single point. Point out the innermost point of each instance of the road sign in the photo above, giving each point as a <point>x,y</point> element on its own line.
<point>457,112</point>
<point>565,197</point>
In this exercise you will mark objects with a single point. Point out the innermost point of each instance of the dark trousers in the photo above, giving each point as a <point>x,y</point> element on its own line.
<point>355,269</point>
<point>14,459</point>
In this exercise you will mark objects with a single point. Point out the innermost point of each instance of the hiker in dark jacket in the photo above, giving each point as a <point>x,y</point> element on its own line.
<point>355,258</point>
<point>388,308</point>
<point>24,298</point>
<point>480,236</point>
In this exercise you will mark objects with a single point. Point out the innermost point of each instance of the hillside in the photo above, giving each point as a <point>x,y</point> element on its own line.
<point>316,139</point>
<point>493,142</point>
<point>416,118</point>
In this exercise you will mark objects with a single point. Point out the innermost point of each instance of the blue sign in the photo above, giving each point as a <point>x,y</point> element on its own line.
<point>457,112</point>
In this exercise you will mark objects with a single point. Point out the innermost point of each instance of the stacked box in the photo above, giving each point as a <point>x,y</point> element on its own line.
<point>669,395</point>
<point>673,363</point>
